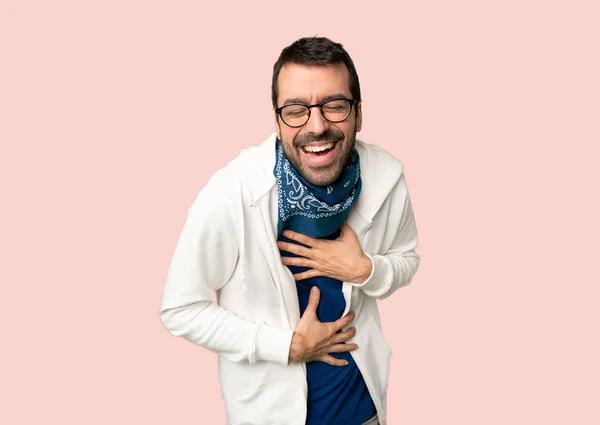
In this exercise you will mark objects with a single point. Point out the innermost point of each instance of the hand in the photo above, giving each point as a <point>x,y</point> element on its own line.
<point>342,259</point>
<point>314,340</point>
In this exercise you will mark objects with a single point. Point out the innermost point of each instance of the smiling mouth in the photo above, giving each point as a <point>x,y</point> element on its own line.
<point>320,154</point>
<point>319,149</point>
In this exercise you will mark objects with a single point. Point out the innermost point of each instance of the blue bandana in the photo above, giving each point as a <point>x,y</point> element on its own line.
<point>315,211</point>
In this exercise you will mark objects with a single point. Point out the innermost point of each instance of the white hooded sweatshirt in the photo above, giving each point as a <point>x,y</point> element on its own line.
<point>228,246</point>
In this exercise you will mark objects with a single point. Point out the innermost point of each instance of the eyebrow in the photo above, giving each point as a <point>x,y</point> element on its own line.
<point>324,99</point>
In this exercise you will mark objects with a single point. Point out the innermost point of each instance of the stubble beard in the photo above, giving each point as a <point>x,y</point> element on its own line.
<point>325,175</point>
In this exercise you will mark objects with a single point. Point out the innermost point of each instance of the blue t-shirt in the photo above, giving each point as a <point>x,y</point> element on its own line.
<point>337,395</point>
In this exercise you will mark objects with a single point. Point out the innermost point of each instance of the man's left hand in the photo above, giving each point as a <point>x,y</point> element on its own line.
<point>342,258</point>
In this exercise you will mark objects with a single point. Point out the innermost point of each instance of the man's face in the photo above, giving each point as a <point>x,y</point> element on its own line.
<point>310,85</point>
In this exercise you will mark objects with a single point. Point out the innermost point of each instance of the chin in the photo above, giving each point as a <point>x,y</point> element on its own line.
<point>323,178</point>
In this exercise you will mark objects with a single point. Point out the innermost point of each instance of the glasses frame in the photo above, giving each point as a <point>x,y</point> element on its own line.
<point>320,105</point>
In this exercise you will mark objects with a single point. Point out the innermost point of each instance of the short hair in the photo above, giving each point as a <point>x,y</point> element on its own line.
<point>315,51</point>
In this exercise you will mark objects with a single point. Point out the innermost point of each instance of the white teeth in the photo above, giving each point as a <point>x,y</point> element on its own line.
<point>318,148</point>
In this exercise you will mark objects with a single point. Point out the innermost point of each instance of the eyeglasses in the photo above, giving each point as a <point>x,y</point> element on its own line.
<point>335,110</point>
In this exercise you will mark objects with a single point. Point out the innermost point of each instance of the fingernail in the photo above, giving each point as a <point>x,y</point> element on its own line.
<point>346,363</point>
<point>314,290</point>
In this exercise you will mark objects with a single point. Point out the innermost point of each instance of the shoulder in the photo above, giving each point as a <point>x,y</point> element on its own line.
<point>244,177</point>
<point>218,194</point>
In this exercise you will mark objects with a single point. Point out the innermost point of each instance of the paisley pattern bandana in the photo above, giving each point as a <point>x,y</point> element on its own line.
<point>314,211</point>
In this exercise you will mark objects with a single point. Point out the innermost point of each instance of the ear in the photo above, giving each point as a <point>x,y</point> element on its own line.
<point>277,127</point>
<point>359,116</point>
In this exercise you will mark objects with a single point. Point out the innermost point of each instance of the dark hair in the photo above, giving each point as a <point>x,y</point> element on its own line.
<point>315,51</point>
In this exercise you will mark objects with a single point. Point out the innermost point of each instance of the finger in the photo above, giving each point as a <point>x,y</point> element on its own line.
<point>294,249</point>
<point>342,348</point>
<point>299,262</point>
<point>299,237</point>
<point>345,230</point>
<point>313,301</point>
<point>344,336</point>
<point>344,321</point>
<point>308,274</point>
<point>332,360</point>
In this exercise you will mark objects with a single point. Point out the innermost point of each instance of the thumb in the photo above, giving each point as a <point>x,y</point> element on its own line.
<point>313,300</point>
<point>345,230</point>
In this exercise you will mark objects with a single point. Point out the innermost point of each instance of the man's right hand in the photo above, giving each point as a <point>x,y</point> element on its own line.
<point>314,340</point>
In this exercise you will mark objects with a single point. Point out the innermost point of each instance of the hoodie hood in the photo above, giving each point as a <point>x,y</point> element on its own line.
<point>380,171</point>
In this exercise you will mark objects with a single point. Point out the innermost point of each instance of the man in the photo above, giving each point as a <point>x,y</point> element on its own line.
<point>298,237</point>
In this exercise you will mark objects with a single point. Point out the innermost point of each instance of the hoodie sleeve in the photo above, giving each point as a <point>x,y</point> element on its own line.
<point>203,261</point>
<point>397,266</point>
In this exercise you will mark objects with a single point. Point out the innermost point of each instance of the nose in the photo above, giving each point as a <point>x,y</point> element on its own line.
<point>316,122</point>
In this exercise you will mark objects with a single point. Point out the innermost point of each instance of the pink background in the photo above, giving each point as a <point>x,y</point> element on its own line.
<point>114,114</point>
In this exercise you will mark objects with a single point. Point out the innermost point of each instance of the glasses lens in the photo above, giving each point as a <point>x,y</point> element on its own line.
<point>294,115</point>
<point>337,110</point>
